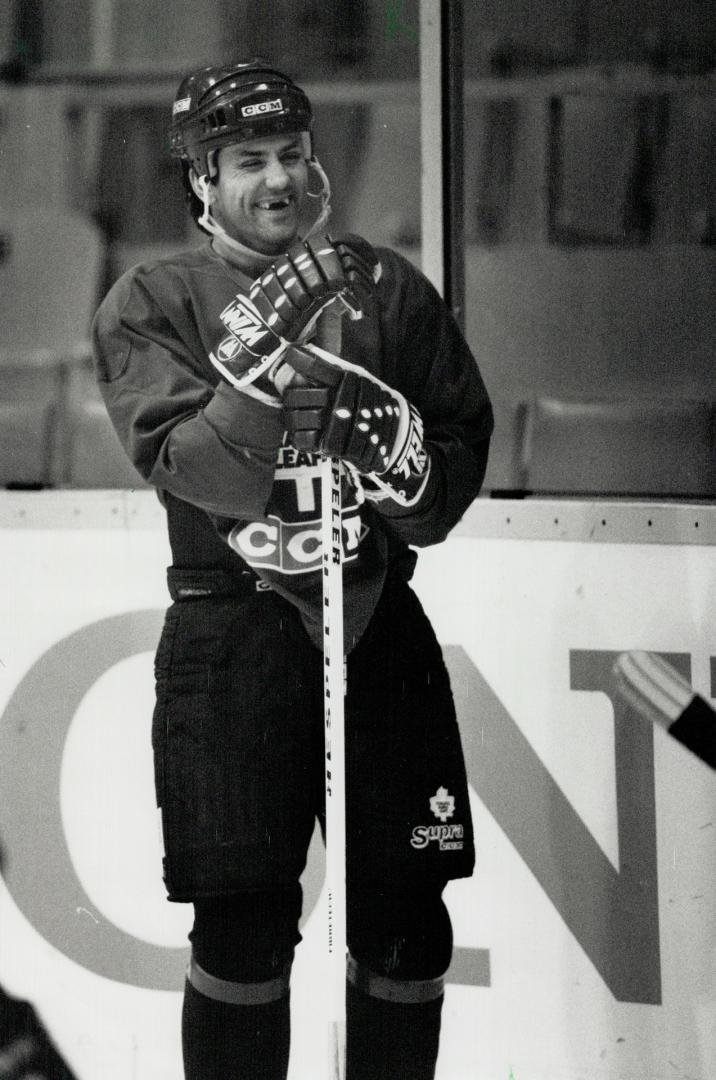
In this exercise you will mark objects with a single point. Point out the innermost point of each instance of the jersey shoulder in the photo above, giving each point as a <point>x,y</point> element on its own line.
<point>171,287</point>
<point>171,273</point>
<point>403,279</point>
<point>173,301</point>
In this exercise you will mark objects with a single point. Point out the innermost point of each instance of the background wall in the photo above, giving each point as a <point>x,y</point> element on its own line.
<point>590,151</point>
<point>585,939</point>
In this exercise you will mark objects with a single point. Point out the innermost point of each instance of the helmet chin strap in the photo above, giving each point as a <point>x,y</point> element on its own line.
<point>324,195</point>
<point>243,251</point>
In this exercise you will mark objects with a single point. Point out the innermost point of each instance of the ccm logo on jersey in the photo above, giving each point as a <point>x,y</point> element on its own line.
<point>262,107</point>
<point>241,318</point>
<point>292,547</point>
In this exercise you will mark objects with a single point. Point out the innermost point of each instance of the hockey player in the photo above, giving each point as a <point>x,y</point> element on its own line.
<point>211,373</point>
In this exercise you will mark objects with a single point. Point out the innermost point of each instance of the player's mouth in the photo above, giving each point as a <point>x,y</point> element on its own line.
<point>276,206</point>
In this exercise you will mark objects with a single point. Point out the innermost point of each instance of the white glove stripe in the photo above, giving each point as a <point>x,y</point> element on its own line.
<point>389,492</point>
<point>252,373</point>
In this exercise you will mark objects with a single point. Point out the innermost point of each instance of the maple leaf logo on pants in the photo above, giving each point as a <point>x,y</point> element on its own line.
<point>442,804</point>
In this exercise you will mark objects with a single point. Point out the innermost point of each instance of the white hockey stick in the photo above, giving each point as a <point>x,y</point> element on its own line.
<point>334,715</point>
<point>658,693</point>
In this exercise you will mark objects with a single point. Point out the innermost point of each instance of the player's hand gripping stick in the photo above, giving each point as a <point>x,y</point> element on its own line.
<point>657,692</point>
<point>342,410</point>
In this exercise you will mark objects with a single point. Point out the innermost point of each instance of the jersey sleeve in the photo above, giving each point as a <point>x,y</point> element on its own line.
<point>429,361</point>
<point>205,442</point>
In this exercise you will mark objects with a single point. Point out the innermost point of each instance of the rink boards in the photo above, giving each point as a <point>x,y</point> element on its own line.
<point>584,941</point>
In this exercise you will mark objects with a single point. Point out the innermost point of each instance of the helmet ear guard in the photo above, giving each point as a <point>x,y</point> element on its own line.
<point>324,195</point>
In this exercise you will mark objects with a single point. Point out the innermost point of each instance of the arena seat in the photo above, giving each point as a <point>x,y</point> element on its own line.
<point>28,431</point>
<point>50,274</point>
<point>95,458</point>
<point>51,264</point>
<point>93,454</point>
<point>648,448</point>
<point>31,388</point>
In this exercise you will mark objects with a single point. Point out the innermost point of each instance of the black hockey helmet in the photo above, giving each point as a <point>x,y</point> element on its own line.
<point>227,104</point>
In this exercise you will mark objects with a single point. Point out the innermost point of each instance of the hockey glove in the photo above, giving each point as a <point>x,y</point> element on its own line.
<point>343,411</point>
<point>284,303</point>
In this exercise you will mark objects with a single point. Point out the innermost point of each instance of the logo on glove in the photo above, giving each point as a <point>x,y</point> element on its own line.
<point>241,319</point>
<point>228,349</point>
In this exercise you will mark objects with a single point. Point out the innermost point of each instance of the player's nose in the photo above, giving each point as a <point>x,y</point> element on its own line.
<point>275,175</point>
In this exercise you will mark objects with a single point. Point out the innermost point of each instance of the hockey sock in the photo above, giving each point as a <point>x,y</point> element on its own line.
<point>223,1040</point>
<point>391,1040</point>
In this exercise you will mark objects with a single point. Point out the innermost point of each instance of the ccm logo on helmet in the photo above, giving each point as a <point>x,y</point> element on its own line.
<point>262,107</point>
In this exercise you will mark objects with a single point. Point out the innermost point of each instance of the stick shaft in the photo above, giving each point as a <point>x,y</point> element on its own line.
<point>334,716</point>
<point>334,721</point>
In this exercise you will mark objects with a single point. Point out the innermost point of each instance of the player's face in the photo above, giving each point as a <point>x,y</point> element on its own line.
<point>260,191</point>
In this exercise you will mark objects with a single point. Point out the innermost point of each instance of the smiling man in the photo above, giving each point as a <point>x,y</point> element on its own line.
<point>210,370</point>
<point>258,189</point>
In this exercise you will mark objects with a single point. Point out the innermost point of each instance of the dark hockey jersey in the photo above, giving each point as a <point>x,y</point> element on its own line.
<point>220,459</point>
